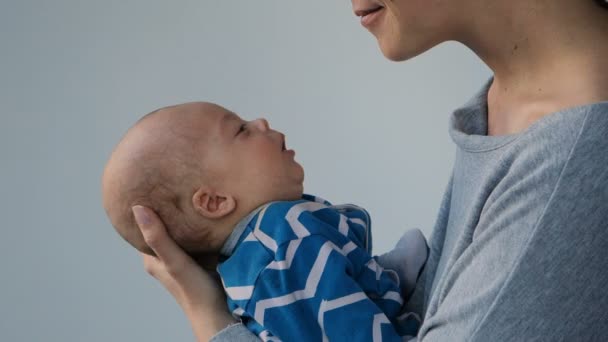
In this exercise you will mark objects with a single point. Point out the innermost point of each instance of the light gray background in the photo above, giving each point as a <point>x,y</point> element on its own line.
<point>74,75</point>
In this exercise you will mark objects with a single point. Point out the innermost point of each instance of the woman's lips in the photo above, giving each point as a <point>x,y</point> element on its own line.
<point>369,17</point>
<point>368,10</point>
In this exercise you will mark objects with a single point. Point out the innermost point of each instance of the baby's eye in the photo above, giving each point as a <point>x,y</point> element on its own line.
<point>242,128</point>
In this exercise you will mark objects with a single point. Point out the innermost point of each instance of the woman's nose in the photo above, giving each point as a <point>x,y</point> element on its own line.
<point>261,124</point>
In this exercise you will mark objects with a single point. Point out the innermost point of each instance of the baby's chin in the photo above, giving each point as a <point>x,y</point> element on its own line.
<point>292,195</point>
<point>296,194</point>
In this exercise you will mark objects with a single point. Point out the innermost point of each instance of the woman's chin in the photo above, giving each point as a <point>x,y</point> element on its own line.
<point>395,53</point>
<point>399,48</point>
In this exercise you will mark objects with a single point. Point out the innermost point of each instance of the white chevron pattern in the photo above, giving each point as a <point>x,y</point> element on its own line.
<point>292,217</point>
<point>328,305</point>
<point>264,239</point>
<point>309,290</point>
<point>239,292</point>
<point>377,328</point>
<point>311,283</point>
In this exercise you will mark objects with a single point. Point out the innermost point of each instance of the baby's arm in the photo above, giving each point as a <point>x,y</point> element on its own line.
<point>407,259</point>
<point>324,294</point>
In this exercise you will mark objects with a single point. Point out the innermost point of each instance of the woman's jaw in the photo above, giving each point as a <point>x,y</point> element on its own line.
<point>403,28</point>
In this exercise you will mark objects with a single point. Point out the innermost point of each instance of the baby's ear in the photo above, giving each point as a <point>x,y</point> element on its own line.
<point>212,204</point>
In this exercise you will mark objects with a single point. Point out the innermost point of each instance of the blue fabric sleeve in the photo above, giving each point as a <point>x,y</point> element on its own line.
<point>320,297</point>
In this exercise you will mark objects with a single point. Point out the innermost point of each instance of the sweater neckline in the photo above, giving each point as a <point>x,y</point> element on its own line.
<point>468,125</point>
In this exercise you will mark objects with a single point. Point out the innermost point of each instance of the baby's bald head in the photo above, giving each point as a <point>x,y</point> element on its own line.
<point>200,167</point>
<point>158,164</point>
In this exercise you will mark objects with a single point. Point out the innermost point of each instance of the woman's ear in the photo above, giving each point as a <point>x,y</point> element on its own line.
<point>212,204</point>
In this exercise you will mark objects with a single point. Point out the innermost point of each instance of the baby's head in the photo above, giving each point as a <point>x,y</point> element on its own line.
<point>202,169</point>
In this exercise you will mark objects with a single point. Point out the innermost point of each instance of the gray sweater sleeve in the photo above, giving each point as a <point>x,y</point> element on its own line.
<point>521,252</point>
<point>555,290</point>
<point>235,332</point>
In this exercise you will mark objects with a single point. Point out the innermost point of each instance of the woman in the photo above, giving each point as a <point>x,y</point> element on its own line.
<point>518,251</point>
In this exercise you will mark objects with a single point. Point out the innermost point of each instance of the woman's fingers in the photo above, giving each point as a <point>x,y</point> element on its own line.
<point>195,290</point>
<point>157,269</point>
<point>155,235</point>
<point>152,265</point>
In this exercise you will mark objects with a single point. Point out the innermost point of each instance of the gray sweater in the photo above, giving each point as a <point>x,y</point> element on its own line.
<point>519,251</point>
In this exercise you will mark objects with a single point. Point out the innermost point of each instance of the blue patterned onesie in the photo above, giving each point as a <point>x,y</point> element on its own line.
<point>302,271</point>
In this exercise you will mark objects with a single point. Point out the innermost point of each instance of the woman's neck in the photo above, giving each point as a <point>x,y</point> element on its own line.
<point>545,55</point>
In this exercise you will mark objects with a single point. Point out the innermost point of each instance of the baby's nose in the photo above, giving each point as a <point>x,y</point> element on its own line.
<point>262,124</point>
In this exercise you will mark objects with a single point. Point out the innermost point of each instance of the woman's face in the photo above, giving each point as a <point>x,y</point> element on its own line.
<point>406,28</point>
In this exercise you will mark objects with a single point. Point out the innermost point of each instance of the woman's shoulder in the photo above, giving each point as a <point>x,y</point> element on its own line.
<point>577,133</point>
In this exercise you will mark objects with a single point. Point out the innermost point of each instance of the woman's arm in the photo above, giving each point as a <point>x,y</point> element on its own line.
<point>197,293</point>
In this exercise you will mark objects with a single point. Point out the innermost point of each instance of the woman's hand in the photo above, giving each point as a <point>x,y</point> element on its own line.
<point>195,290</point>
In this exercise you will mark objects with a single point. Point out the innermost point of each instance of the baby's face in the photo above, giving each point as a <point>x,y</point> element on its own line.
<point>201,167</point>
<point>248,158</point>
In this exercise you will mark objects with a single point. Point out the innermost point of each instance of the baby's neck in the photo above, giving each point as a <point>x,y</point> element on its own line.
<point>236,230</point>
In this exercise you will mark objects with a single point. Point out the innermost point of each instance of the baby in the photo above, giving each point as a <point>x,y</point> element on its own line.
<point>293,266</point>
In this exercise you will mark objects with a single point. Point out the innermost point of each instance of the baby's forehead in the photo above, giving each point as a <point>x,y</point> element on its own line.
<point>205,113</point>
<point>188,118</point>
